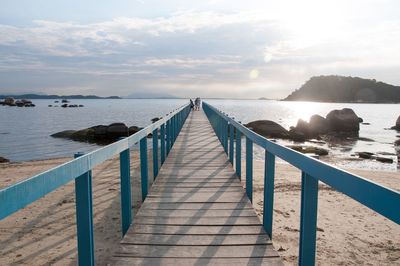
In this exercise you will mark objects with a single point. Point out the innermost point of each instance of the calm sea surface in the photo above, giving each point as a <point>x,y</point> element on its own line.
<point>25,132</point>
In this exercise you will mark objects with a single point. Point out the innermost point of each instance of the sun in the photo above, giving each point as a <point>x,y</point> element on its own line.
<point>254,73</point>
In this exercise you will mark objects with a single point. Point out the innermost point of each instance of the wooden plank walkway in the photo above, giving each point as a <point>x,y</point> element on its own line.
<point>197,212</point>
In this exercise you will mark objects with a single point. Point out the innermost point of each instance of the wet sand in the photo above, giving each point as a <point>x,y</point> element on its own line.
<point>45,232</point>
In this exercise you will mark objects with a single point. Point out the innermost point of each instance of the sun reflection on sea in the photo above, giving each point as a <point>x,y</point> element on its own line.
<point>302,110</point>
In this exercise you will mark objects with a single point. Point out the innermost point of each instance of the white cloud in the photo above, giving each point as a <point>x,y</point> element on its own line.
<point>191,50</point>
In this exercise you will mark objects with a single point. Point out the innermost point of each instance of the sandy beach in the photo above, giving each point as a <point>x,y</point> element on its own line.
<point>45,232</point>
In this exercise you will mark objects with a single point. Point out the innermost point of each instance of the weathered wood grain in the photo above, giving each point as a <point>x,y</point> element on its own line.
<point>197,212</point>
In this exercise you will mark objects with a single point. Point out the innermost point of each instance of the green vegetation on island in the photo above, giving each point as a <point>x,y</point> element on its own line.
<point>345,89</point>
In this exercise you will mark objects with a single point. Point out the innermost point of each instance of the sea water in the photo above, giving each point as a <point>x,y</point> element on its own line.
<point>25,132</point>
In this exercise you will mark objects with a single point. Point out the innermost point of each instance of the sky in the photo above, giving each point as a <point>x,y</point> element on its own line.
<point>214,48</point>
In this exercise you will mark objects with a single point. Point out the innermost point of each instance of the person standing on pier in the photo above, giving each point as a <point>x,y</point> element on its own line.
<point>197,104</point>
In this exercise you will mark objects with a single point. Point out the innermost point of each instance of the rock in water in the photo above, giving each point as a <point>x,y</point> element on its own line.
<point>64,134</point>
<point>100,131</point>
<point>4,160</point>
<point>309,149</point>
<point>365,155</point>
<point>397,126</point>
<point>133,130</point>
<point>384,160</point>
<point>155,119</point>
<point>318,125</point>
<point>344,120</point>
<point>9,101</point>
<point>268,128</point>
<point>117,130</point>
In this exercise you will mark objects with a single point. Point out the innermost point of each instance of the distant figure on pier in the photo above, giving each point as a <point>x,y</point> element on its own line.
<point>197,103</point>
<point>191,104</point>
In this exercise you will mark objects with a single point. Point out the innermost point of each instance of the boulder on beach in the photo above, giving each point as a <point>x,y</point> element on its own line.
<point>4,160</point>
<point>344,120</point>
<point>268,128</point>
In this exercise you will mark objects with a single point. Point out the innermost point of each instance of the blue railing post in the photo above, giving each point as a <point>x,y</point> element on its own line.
<point>226,126</point>
<point>168,137</point>
<point>175,127</point>
<point>155,153</point>
<point>231,140</point>
<point>125,176</point>
<point>84,217</point>
<point>162,137</point>
<point>268,205</point>
<point>308,219</point>
<point>143,167</point>
<point>238,160</point>
<point>171,132</point>
<point>249,168</point>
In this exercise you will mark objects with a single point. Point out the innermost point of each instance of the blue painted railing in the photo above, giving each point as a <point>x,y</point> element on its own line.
<point>19,195</point>
<point>378,198</point>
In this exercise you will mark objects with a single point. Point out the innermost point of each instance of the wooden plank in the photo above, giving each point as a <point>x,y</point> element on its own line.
<point>168,190</point>
<point>196,206</point>
<point>201,198</point>
<point>196,230</point>
<point>192,240</point>
<point>153,251</point>
<point>252,220</point>
<point>196,213</point>
<point>125,261</point>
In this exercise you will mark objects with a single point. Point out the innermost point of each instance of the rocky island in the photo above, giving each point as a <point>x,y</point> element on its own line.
<point>345,89</point>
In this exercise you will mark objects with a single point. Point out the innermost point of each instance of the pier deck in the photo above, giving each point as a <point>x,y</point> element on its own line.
<point>197,211</point>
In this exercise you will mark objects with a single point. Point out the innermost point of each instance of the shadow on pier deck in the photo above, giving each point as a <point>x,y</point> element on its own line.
<point>196,211</point>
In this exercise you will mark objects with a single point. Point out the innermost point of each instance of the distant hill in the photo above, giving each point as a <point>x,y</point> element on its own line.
<point>346,89</point>
<point>150,95</point>
<point>44,96</point>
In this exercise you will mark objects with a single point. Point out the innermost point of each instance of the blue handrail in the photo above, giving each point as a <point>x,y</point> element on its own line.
<point>19,195</point>
<point>383,200</point>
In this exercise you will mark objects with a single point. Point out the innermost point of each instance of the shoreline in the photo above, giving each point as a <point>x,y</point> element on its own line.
<point>348,233</point>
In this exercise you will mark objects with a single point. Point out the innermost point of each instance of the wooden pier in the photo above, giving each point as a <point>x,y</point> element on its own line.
<point>197,211</point>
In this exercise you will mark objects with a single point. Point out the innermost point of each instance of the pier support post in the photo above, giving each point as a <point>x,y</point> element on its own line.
<point>84,217</point>
<point>168,137</point>
<point>126,203</point>
<point>238,161</point>
<point>249,168</point>
<point>231,140</point>
<point>269,176</point>
<point>308,219</point>
<point>144,167</point>
<point>162,138</point>
<point>155,153</point>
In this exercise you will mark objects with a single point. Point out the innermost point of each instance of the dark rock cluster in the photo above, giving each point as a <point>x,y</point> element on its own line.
<point>4,160</point>
<point>100,134</point>
<point>9,101</point>
<point>343,122</point>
